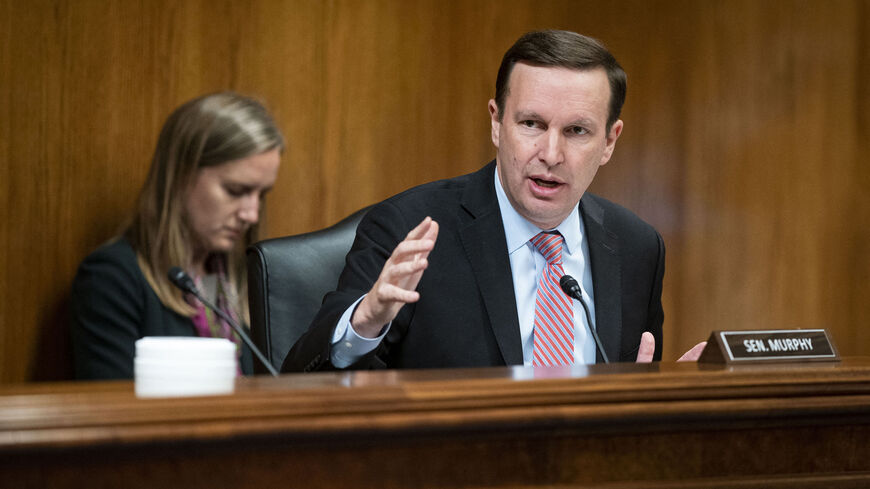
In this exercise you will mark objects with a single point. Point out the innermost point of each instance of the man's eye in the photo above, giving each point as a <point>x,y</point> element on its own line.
<point>577,130</point>
<point>529,123</point>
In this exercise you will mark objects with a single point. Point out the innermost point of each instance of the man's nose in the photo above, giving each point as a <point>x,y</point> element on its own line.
<point>550,151</point>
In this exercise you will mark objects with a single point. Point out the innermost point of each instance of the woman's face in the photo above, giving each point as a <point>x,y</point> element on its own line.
<point>224,200</point>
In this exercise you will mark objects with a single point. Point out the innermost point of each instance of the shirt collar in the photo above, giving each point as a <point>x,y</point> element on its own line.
<point>518,230</point>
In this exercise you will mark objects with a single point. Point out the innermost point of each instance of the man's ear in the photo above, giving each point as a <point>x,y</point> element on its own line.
<point>496,125</point>
<point>610,143</point>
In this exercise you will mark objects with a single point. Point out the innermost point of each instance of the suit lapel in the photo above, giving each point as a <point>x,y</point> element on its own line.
<point>484,243</point>
<point>606,277</point>
<point>485,246</point>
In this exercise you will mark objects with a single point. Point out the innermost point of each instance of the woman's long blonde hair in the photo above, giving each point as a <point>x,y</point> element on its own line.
<point>206,131</point>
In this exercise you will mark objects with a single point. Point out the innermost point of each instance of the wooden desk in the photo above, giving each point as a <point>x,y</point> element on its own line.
<point>606,426</point>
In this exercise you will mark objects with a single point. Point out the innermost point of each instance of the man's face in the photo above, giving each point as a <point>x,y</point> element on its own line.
<point>552,138</point>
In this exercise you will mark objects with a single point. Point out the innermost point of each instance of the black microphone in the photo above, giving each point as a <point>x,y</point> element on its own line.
<point>572,288</point>
<point>182,280</point>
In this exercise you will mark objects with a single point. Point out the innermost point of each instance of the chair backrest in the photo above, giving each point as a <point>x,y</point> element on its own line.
<point>287,279</point>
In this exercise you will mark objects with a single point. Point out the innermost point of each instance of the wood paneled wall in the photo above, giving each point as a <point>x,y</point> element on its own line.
<point>746,136</point>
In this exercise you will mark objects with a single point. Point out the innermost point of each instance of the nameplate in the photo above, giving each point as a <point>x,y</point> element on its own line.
<point>762,346</point>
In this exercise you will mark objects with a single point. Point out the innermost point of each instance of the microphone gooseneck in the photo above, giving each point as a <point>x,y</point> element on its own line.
<point>572,289</point>
<point>182,280</point>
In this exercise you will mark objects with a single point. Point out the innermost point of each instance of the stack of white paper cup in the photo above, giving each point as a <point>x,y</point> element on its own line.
<point>184,366</point>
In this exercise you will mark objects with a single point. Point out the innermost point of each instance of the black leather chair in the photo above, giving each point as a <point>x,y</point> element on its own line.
<point>287,279</point>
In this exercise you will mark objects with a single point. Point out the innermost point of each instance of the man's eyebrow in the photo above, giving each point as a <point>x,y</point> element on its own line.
<point>582,122</point>
<point>531,115</point>
<point>525,115</point>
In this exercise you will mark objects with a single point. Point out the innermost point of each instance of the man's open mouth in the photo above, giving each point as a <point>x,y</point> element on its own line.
<point>545,183</point>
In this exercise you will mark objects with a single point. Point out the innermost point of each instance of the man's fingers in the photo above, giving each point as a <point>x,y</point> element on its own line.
<point>397,281</point>
<point>397,272</point>
<point>409,249</point>
<point>389,293</point>
<point>420,230</point>
<point>427,230</point>
<point>647,348</point>
<point>432,232</point>
<point>693,354</point>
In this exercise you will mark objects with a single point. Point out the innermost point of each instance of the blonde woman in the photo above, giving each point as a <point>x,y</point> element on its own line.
<point>216,158</point>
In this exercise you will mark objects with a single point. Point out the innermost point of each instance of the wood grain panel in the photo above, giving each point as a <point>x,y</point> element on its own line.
<point>770,148</point>
<point>745,144</point>
<point>5,153</point>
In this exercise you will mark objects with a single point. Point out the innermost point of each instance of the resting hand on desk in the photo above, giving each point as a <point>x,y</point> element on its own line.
<point>397,282</point>
<point>648,348</point>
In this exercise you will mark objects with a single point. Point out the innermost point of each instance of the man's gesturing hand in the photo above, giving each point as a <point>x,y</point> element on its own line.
<point>648,348</point>
<point>397,282</point>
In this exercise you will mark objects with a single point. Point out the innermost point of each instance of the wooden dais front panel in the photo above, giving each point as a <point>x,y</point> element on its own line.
<point>628,426</point>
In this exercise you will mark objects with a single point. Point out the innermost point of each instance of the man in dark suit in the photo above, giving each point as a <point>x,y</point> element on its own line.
<point>471,283</point>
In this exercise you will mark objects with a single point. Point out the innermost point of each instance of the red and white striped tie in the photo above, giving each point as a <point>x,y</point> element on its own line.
<point>554,318</point>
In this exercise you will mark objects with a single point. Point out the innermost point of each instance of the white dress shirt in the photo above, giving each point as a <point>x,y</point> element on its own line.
<point>527,264</point>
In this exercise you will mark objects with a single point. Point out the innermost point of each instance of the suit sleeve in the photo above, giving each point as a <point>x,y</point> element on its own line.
<point>656,315</point>
<point>380,231</point>
<point>107,309</point>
